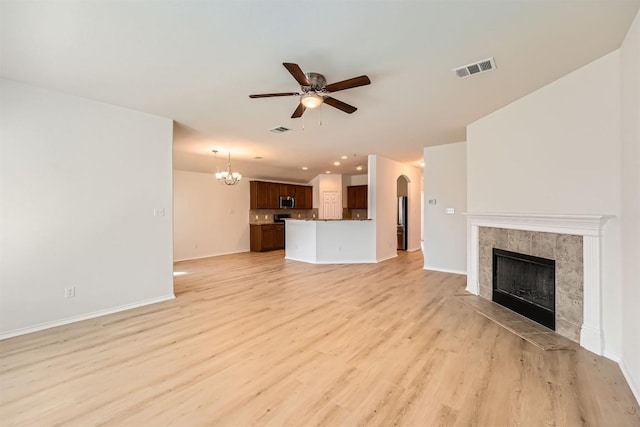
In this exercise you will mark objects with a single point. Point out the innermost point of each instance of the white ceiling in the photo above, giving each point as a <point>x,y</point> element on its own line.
<point>197,62</point>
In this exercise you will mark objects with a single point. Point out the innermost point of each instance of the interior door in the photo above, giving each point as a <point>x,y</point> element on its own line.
<point>331,205</point>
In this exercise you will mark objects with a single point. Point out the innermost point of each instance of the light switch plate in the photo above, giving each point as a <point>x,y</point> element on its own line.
<point>450,211</point>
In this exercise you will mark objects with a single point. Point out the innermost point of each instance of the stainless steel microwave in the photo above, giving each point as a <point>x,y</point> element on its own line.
<point>287,202</point>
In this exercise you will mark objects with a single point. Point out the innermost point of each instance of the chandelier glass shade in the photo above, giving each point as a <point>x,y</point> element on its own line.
<point>311,100</point>
<point>226,176</point>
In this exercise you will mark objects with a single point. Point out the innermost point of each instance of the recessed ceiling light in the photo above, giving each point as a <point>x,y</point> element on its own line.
<point>258,157</point>
<point>336,163</point>
<point>304,168</point>
<point>359,167</point>
<point>344,157</point>
<point>422,164</point>
<point>328,172</point>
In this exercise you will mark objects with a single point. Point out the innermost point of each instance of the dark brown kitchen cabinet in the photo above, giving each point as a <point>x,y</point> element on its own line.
<point>266,237</point>
<point>273,195</point>
<point>263,195</point>
<point>288,190</point>
<point>278,236</point>
<point>304,197</point>
<point>357,197</point>
<point>266,195</point>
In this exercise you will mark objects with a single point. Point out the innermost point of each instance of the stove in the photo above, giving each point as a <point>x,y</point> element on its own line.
<point>280,217</point>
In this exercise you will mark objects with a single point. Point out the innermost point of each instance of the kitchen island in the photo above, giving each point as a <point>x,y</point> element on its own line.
<point>321,241</point>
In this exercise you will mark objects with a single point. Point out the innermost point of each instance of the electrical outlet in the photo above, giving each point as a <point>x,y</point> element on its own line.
<point>266,217</point>
<point>257,216</point>
<point>70,292</point>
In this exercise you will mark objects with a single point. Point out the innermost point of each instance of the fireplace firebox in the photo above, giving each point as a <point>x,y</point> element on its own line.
<point>526,285</point>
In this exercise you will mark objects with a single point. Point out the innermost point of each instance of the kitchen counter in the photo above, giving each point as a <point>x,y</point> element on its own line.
<point>319,241</point>
<point>319,219</point>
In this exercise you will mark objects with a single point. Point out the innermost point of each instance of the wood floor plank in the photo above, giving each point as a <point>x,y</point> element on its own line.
<point>254,339</point>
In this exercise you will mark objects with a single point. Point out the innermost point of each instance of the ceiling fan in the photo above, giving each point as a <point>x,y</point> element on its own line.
<point>315,90</point>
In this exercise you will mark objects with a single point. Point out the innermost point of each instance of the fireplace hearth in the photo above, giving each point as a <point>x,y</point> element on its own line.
<point>526,285</point>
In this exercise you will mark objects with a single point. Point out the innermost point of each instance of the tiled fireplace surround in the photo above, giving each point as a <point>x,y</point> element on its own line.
<point>573,241</point>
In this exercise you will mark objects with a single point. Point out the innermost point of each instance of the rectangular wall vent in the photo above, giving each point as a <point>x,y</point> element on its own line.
<point>279,129</point>
<point>475,68</point>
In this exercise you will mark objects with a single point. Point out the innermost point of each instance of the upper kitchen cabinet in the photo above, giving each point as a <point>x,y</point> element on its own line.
<point>357,197</point>
<point>288,190</point>
<point>263,195</point>
<point>304,197</point>
<point>266,195</point>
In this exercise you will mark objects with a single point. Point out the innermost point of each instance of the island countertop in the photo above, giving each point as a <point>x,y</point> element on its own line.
<point>323,219</point>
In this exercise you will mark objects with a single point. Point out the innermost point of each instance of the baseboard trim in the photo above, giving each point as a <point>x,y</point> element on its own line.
<point>87,316</point>
<point>210,256</point>
<point>342,261</point>
<point>611,356</point>
<point>387,258</point>
<point>635,389</point>
<point>445,270</point>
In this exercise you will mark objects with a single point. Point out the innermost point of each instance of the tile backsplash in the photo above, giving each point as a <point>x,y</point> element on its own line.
<point>265,216</point>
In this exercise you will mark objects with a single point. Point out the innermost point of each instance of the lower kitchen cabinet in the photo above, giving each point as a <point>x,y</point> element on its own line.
<point>266,237</point>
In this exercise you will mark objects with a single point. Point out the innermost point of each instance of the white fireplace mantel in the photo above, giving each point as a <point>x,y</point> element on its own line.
<point>588,226</point>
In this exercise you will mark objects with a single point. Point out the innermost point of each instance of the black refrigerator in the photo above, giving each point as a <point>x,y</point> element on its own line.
<point>402,223</point>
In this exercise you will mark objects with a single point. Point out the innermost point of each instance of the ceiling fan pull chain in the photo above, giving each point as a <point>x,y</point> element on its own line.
<point>321,113</point>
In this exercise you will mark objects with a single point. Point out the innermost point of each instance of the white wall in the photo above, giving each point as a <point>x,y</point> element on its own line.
<point>445,181</point>
<point>209,218</point>
<point>79,184</point>
<point>315,184</point>
<point>383,175</point>
<point>557,151</point>
<point>331,242</point>
<point>630,215</point>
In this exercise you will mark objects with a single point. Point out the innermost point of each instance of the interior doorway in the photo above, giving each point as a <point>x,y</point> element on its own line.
<point>331,206</point>
<point>402,204</point>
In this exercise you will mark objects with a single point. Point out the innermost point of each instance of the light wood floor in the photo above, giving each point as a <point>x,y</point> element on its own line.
<point>253,339</point>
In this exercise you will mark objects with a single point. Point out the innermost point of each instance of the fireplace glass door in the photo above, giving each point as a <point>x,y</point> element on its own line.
<point>525,284</point>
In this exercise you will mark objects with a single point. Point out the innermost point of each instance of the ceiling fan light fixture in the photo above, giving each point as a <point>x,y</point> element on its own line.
<point>311,100</point>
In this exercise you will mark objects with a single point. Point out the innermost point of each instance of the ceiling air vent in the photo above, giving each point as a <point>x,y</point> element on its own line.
<point>279,129</point>
<point>475,68</point>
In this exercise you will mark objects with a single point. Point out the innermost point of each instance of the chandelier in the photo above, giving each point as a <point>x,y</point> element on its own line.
<point>226,176</point>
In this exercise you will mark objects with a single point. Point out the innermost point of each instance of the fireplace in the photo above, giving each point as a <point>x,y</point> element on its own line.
<point>526,285</point>
<point>573,241</point>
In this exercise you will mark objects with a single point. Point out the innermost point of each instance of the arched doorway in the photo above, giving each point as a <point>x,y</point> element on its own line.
<point>402,194</point>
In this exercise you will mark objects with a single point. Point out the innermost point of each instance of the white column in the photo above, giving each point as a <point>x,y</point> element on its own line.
<point>591,332</point>
<point>473,258</point>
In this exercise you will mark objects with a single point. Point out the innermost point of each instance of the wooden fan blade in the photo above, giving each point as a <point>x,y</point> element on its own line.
<point>348,84</point>
<point>267,95</point>
<point>299,111</point>
<point>339,105</point>
<point>297,73</point>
